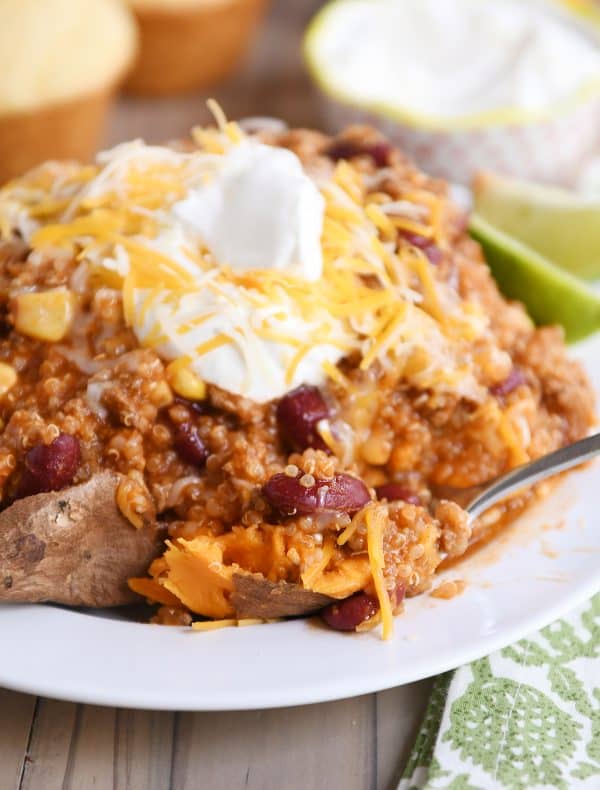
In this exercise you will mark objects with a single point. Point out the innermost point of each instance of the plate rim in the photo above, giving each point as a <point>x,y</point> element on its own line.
<point>512,626</point>
<point>313,694</point>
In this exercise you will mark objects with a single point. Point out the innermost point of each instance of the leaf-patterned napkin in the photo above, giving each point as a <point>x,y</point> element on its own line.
<point>525,718</point>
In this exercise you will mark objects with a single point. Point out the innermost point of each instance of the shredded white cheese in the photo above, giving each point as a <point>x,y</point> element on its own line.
<point>257,276</point>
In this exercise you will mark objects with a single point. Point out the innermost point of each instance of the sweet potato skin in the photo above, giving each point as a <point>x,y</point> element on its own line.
<point>73,547</point>
<point>255,596</point>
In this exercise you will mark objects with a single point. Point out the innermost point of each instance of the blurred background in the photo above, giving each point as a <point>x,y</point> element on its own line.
<point>461,86</point>
<point>270,79</point>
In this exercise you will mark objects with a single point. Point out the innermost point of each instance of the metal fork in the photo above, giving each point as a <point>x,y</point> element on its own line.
<point>477,499</point>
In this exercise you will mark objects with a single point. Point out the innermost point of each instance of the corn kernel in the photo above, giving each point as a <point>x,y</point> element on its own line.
<point>8,377</point>
<point>101,276</point>
<point>133,500</point>
<point>161,395</point>
<point>185,382</point>
<point>376,450</point>
<point>46,315</point>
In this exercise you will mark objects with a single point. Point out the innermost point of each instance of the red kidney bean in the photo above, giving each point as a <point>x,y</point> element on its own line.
<point>397,595</point>
<point>395,492</point>
<point>515,379</point>
<point>342,493</point>
<point>189,444</point>
<point>343,149</point>
<point>50,467</point>
<point>298,413</point>
<point>431,250</point>
<point>198,406</point>
<point>434,254</point>
<point>379,151</point>
<point>347,614</point>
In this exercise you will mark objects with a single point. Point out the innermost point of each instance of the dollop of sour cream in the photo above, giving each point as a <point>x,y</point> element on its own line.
<point>237,264</point>
<point>251,364</point>
<point>452,59</point>
<point>259,211</point>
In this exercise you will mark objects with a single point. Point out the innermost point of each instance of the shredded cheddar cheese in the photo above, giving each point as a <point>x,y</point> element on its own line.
<point>215,625</point>
<point>377,296</point>
<point>312,573</point>
<point>375,517</point>
<point>347,533</point>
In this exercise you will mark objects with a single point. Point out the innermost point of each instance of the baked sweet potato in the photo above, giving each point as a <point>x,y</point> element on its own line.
<point>195,575</point>
<point>73,547</point>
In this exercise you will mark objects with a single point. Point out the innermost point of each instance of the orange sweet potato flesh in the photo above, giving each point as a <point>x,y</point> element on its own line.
<point>73,547</point>
<point>196,575</point>
<point>194,572</point>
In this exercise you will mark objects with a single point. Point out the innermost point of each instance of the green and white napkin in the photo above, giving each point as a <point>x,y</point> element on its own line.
<point>524,718</point>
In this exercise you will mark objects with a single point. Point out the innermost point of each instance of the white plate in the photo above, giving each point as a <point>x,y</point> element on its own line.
<point>543,565</point>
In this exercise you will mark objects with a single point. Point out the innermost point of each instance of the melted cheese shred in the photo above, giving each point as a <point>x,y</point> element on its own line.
<point>255,332</point>
<point>216,625</point>
<point>376,520</point>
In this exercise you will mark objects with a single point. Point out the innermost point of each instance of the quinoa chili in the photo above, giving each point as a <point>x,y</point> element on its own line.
<point>331,488</point>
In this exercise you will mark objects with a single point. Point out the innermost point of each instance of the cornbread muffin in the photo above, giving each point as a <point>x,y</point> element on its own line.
<point>61,61</point>
<point>187,44</point>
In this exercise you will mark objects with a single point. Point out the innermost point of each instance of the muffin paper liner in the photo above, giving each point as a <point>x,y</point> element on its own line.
<point>69,130</point>
<point>552,150</point>
<point>191,47</point>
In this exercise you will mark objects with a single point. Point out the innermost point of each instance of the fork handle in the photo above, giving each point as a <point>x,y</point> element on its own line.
<point>528,474</point>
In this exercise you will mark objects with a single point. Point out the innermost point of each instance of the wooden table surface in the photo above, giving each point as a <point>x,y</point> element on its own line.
<point>354,744</point>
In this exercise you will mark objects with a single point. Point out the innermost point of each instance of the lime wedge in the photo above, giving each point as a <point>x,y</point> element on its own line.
<point>551,295</point>
<point>561,225</point>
